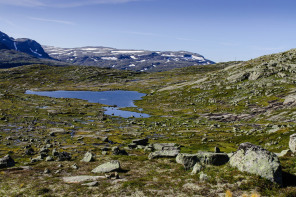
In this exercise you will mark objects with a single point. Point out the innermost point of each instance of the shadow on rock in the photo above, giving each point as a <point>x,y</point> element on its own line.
<point>288,179</point>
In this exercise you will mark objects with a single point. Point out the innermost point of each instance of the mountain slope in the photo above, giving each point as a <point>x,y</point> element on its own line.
<point>137,60</point>
<point>24,45</point>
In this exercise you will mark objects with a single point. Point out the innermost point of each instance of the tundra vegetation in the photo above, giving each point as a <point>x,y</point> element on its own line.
<point>199,116</point>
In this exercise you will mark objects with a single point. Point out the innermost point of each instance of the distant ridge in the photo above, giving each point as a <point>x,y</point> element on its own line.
<point>24,45</point>
<point>126,59</point>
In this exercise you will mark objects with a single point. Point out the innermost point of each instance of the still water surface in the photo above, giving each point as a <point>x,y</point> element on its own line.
<point>118,98</point>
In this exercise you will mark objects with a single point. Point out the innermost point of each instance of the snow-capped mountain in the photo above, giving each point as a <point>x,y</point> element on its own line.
<point>138,60</point>
<point>25,45</point>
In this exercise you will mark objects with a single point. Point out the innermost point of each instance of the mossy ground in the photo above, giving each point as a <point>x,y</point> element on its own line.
<point>178,116</point>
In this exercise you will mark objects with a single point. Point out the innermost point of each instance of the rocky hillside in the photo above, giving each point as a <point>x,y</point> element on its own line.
<point>137,60</point>
<point>226,129</point>
<point>24,45</point>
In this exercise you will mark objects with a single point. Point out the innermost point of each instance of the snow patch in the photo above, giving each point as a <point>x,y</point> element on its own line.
<point>127,51</point>
<point>16,46</point>
<point>194,57</point>
<point>109,58</point>
<point>35,52</point>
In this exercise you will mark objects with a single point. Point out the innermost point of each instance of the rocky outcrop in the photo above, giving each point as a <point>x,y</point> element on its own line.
<point>204,158</point>
<point>292,143</point>
<point>256,160</point>
<point>107,167</point>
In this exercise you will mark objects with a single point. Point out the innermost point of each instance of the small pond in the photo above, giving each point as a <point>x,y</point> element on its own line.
<point>118,98</point>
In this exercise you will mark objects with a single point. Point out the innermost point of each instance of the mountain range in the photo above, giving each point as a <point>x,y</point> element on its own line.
<point>23,51</point>
<point>137,60</point>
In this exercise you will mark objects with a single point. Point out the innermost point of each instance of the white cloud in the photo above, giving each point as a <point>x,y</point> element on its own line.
<point>61,3</point>
<point>52,21</point>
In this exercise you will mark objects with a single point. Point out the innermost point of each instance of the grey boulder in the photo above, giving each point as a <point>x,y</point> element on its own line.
<point>256,160</point>
<point>204,158</point>
<point>107,167</point>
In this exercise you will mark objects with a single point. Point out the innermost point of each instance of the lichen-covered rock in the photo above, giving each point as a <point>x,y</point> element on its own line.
<point>256,160</point>
<point>204,158</point>
<point>6,162</point>
<point>165,146</point>
<point>107,167</point>
<point>81,179</point>
<point>292,143</point>
<point>88,157</point>
<point>290,100</point>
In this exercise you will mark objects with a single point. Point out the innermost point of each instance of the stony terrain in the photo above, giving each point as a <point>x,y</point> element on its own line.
<point>215,130</point>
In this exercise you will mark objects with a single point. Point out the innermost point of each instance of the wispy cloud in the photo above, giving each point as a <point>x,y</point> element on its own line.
<point>61,3</point>
<point>52,21</point>
<point>23,3</point>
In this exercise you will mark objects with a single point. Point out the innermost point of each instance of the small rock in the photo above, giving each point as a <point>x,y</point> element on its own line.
<point>88,157</point>
<point>105,139</point>
<point>132,145</point>
<point>46,171</point>
<point>6,162</point>
<point>55,152</point>
<point>117,151</point>
<point>49,158</point>
<point>292,143</point>
<point>29,151</point>
<point>217,150</point>
<point>75,166</point>
<point>203,177</point>
<point>284,153</point>
<point>196,169</point>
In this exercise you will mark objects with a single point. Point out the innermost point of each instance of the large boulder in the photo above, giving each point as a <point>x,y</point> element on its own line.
<point>107,167</point>
<point>292,143</point>
<point>256,160</point>
<point>6,161</point>
<point>204,158</point>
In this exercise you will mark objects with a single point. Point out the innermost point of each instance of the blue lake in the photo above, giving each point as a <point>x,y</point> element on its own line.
<point>118,99</point>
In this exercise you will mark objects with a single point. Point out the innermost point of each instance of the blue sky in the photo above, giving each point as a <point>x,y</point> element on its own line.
<point>220,30</point>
